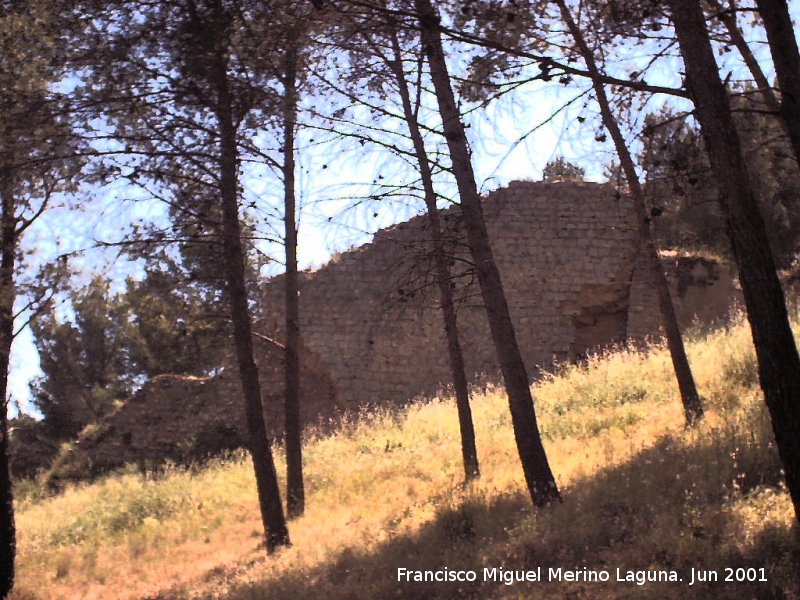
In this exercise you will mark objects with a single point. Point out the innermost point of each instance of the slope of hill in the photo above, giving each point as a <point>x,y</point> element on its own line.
<point>641,495</point>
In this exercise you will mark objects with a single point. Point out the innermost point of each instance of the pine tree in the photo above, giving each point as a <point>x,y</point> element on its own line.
<point>38,160</point>
<point>538,476</point>
<point>190,95</point>
<point>776,351</point>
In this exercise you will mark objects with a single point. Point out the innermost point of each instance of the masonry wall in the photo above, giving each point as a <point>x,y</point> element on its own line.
<point>704,291</point>
<point>372,328</point>
<point>184,418</point>
<point>565,253</point>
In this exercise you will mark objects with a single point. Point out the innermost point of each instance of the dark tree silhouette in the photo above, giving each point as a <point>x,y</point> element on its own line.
<point>785,56</point>
<point>692,406</point>
<point>40,156</point>
<point>538,476</point>
<point>186,130</point>
<point>207,34</point>
<point>295,492</point>
<point>8,250</point>
<point>778,360</point>
<point>469,452</point>
<point>728,18</point>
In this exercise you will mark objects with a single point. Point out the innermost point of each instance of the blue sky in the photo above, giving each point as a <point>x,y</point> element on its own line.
<point>325,227</point>
<point>324,193</point>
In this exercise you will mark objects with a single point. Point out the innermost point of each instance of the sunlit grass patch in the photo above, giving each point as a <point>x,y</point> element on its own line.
<point>386,490</point>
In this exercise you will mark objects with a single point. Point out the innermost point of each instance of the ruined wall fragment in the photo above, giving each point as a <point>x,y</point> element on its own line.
<point>565,252</point>
<point>372,329</point>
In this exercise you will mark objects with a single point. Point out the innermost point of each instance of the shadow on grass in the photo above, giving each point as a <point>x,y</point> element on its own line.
<point>710,505</point>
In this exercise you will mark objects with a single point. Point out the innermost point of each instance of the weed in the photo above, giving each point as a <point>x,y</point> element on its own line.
<point>385,490</point>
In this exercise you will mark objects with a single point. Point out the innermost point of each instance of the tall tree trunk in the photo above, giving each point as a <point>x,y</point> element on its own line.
<point>469,452</point>
<point>295,493</point>
<point>692,406</point>
<point>786,58</point>
<point>538,476</point>
<point>269,496</point>
<point>728,19</point>
<point>8,231</point>
<point>778,360</point>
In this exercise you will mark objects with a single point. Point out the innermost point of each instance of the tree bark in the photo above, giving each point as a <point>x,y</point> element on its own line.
<point>778,360</point>
<point>538,476</point>
<point>295,493</point>
<point>8,249</point>
<point>786,58</point>
<point>469,451</point>
<point>269,496</point>
<point>692,405</point>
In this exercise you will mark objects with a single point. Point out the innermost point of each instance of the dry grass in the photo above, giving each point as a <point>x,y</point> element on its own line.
<point>385,492</point>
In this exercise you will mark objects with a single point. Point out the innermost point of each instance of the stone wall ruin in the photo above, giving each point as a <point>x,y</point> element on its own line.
<point>372,330</point>
<point>565,253</point>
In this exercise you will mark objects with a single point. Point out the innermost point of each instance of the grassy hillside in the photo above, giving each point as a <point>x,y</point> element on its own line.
<point>385,492</point>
